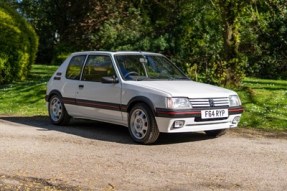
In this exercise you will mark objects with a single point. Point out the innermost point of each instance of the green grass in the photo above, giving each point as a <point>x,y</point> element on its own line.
<point>27,98</point>
<point>264,101</point>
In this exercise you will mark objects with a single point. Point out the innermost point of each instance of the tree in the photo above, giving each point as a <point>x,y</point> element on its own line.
<point>202,35</point>
<point>265,39</point>
<point>231,69</point>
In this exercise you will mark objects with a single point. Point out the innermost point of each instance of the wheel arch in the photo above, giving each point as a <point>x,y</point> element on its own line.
<point>52,93</point>
<point>141,99</point>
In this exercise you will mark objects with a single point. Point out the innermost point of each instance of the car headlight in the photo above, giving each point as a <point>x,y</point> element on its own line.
<point>178,103</point>
<point>234,101</point>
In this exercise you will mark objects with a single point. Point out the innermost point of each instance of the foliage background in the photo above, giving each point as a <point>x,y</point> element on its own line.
<point>18,45</point>
<point>215,41</point>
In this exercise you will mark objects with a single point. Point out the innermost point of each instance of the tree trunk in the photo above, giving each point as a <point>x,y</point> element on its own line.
<point>233,71</point>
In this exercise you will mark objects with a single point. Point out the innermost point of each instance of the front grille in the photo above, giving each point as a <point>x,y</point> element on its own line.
<point>209,102</point>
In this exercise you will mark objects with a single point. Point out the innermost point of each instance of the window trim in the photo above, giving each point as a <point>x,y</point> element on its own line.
<point>81,70</point>
<point>100,54</point>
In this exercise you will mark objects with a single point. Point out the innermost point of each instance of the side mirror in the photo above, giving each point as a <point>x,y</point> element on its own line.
<point>109,80</point>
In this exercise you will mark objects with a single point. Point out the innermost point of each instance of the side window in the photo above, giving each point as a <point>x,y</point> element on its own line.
<point>98,66</point>
<point>75,67</point>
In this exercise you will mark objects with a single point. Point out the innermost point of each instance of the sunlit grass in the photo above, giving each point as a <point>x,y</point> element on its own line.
<point>26,98</point>
<point>265,103</point>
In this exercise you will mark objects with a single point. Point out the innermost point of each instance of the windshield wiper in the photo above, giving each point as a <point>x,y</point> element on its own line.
<point>182,78</point>
<point>178,78</point>
<point>142,78</point>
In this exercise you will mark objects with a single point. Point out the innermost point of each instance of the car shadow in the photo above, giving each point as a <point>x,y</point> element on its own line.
<point>100,131</point>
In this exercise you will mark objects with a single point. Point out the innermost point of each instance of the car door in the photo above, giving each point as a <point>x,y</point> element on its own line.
<point>70,87</point>
<point>97,100</point>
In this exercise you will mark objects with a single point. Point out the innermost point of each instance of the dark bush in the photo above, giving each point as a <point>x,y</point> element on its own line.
<point>18,45</point>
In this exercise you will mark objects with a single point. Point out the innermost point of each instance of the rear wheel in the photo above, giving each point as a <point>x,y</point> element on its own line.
<point>216,133</point>
<point>57,111</point>
<point>142,125</point>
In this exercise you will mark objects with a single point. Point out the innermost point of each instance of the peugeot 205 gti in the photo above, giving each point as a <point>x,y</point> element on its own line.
<point>143,91</point>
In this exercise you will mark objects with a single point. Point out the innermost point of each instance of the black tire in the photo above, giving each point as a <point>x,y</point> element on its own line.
<point>57,111</point>
<point>216,133</point>
<point>142,125</point>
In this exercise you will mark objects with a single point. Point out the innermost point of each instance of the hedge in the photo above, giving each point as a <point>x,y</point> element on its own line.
<point>18,45</point>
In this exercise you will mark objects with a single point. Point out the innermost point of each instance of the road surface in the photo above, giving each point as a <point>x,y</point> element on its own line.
<point>89,155</point>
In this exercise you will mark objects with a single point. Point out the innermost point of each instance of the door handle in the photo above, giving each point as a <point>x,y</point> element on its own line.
<point>81,86</point>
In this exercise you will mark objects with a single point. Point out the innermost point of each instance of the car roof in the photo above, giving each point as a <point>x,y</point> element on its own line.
<point>113,52</point>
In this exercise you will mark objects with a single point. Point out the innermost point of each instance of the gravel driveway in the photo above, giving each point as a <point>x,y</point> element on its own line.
<point>88,155</point>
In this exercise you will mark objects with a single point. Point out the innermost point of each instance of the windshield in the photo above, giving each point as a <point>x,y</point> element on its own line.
<point>147,67</point>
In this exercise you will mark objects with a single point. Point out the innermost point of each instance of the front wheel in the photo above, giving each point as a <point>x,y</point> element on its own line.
<point>57,111</point>
<point>216,133</point>
<point>142,125</point>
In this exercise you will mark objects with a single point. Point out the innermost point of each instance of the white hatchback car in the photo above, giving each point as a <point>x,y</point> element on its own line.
<point>140,90</point>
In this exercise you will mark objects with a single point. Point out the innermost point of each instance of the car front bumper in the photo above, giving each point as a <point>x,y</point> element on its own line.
<point>167,125</point>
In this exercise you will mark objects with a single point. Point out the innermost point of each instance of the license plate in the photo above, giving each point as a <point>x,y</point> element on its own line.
<point>214,113</point>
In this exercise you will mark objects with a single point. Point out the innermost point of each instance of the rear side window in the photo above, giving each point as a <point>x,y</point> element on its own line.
<point>75,67</point>
<point>98,66</point>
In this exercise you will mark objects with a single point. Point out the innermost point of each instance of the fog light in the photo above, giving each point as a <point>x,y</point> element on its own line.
<point>178,124</point>
<point>236,120</point>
